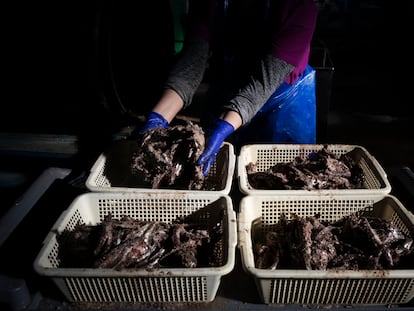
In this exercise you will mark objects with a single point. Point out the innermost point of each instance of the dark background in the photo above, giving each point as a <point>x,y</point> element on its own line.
<point>70,64</point>
<point>64,60</point>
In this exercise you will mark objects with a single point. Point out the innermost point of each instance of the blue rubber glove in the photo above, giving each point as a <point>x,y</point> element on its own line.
<point>154,120</point>
<point>219,132</point>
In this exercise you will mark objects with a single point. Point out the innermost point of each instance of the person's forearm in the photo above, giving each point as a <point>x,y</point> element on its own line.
<point>187,74</point>
<point>169,105</point>
<point>233,118</point>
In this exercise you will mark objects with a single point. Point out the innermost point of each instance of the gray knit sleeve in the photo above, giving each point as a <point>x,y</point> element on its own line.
<point>187,74</point>
<point>248,101</point>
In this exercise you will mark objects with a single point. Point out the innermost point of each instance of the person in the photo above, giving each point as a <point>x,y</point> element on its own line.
<point>254,55</point>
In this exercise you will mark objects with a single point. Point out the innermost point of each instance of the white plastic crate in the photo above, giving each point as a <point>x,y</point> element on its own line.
<point>112,172</point>
<point>172,285</point>
<point>330,287</point>
<point>268,155</point>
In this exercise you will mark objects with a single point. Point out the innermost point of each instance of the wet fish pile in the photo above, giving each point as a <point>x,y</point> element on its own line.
<point>166,158</point>
<point>320,170</point>
<point>130,243</point>
<point>353,243</point>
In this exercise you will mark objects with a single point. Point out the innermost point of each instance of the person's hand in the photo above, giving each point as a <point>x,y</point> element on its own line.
<point>154,120</point>
<point>219,132</point>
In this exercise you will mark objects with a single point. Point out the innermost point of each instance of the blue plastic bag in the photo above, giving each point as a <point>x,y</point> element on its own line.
<point>289,116</point>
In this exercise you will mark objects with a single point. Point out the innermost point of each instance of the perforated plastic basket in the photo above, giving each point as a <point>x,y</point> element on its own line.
<point>97,285</point>
<point>268,155</point>
<point>317,287</point>
<point>112,172</point>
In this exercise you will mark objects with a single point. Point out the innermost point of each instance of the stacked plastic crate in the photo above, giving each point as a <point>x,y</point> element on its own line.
<point>140,285</point>
<point>260,209</point>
